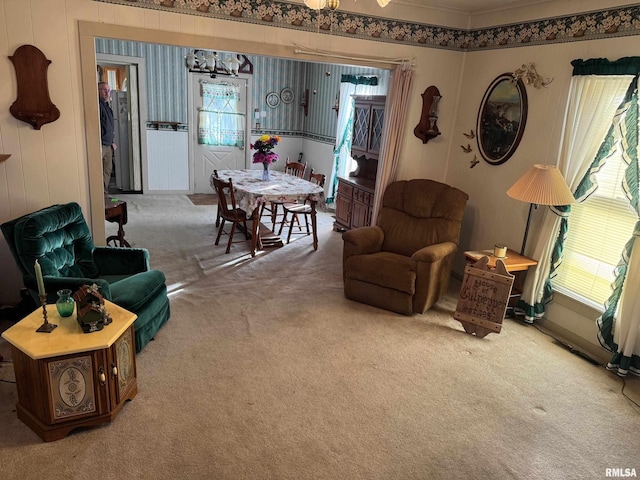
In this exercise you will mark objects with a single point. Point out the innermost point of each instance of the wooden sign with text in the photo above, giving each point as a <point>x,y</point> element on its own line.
<point>484,296</point>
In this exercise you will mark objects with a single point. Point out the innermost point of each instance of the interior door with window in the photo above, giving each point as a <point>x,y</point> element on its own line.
<point>219,115</point>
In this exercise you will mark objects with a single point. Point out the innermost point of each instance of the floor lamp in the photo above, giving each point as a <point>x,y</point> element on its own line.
<point>541,185</point>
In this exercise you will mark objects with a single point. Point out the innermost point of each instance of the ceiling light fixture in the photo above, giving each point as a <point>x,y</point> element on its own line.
<point>334,4</point>
<point>200,61</point>
<point>316,4</point>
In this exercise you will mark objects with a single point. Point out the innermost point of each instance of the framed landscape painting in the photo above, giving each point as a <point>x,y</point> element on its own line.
<point>501,119</point>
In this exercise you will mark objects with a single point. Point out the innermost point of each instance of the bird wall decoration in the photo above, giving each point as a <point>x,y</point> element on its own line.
<point>470,134</point>
<point>466,149</point>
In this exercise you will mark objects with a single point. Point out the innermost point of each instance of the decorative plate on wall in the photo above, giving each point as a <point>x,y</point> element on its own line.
<point>501,119</point>
<point>273,100</point>
<point>287,95</point>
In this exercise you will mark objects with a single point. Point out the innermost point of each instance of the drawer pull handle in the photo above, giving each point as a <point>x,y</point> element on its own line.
<point>102,376</point>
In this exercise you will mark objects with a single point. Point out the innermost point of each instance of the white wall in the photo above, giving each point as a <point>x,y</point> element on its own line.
<point>168,160</point>
<point>493,217</point>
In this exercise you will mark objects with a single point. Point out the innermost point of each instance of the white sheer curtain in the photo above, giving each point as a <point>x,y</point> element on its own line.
<point>342,151</point>
<point>627,325</point>
<point>592,104</point>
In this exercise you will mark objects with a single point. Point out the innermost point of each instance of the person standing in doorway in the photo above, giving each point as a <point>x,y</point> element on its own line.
<point>106,133</point>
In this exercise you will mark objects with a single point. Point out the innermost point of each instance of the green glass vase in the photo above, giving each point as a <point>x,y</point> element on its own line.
<point>65,303</point>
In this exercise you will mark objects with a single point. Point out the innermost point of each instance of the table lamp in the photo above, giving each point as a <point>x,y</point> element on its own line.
<point>541,185</point>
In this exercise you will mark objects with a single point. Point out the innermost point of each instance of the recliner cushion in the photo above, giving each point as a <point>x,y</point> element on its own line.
<point>385,269</point>
<point>133,293</point>
<point>416,213</point>
<point>61,234</point>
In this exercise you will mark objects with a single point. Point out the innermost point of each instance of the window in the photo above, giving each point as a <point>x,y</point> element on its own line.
<point>219,121</point>
<point>598,230</point>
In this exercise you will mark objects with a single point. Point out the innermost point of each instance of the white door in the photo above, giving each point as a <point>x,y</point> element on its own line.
<point>211,156</point>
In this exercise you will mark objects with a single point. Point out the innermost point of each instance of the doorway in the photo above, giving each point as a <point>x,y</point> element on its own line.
<point>218,107</point>
<point>126,77</point>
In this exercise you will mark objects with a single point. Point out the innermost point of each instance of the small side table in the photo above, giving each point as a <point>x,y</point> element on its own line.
<point>116,212</point>
<point>516,264</point>
<point>68,379</point>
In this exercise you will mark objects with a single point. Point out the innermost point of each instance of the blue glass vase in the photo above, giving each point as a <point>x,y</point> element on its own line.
<point>65,303</point>
<point>265,172</point>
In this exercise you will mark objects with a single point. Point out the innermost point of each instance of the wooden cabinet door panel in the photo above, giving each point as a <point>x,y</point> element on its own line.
<point>343,210</point>
<point>122,367</point>
<point>360,215</point>
<point>75,386</point>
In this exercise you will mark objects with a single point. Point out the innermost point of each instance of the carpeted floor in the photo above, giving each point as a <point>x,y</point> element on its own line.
<point>266,371</point>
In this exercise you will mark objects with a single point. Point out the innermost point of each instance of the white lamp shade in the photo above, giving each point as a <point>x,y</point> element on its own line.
<point>542,185</point>
<point>316,4</point>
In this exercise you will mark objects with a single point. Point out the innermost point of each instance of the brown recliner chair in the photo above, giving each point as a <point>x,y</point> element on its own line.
<point>403,263</point>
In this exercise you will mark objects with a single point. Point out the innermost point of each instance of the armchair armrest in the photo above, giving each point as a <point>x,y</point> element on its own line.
<point>433,253</point>
<point>53,284</point>
<point>361,241</point>
<point>121,261</point>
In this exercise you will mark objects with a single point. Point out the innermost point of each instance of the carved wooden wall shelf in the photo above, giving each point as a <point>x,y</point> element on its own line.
<point>427,128</point>
<point>33,104</point>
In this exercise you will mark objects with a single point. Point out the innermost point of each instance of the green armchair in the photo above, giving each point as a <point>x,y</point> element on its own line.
<point>403,263</point>
<point>59,238</point>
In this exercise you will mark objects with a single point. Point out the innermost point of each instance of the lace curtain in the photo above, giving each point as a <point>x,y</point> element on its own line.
<point>219,122</point>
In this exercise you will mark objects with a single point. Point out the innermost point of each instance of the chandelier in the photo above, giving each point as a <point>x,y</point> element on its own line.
<point>334,4</point>
<point>200,61</point>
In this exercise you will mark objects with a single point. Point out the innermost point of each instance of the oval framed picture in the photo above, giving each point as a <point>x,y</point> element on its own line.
<point>273,100</point>
<point>501,119</point>
<point>287,95</point>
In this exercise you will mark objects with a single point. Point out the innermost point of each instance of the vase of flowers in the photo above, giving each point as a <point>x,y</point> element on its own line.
<point>264,153</point>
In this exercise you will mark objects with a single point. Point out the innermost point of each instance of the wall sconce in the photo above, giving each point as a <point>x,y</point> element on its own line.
<point>336,105</point>
<point>427,128</point>
<point>305,102</point>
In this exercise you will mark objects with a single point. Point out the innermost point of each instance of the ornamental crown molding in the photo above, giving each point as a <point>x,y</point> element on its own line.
<point>612,22</point>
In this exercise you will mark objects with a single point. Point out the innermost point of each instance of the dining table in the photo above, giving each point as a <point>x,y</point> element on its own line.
<point>251,192</point>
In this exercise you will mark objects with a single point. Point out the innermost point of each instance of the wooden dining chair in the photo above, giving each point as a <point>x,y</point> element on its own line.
<point>297,169</point>
<point>228,210</point>
<point>297,209</point>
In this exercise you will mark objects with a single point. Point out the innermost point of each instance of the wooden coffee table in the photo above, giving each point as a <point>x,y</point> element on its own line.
<point>68,379</point>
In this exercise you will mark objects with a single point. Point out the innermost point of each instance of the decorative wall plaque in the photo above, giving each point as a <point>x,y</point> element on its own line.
<point>33,104</point>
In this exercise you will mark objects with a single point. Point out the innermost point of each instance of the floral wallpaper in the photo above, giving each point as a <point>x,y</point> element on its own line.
<point>615,22</point>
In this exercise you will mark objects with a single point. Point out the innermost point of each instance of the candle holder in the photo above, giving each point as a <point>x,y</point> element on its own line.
<point>46,327</point>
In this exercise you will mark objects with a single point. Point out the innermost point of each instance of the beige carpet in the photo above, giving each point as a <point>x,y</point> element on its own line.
<point>266,371</point>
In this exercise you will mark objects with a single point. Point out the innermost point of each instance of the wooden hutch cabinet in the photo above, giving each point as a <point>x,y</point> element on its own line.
<point>355,195</point>
<point>67,378</point>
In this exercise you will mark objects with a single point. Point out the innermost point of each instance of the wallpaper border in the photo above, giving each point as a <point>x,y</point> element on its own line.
<point>616,22</point>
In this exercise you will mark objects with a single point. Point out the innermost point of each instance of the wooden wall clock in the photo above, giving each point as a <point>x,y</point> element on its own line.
<point>33,104</point>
